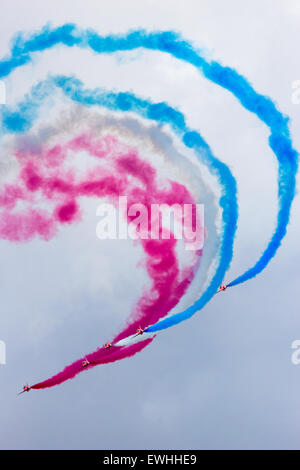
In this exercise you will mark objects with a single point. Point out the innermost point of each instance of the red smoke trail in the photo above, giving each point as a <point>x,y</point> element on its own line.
<point>119,171</point>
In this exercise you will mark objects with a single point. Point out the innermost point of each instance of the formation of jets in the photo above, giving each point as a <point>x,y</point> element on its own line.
<point>140,331</point>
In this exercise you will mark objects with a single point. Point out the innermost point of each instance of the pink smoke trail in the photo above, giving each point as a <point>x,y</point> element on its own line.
<point>118,171</point>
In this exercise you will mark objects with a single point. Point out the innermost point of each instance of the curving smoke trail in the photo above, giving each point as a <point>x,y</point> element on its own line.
<point>18,121</point>
<point>21,119</point>
<point>171,43</point>
<point>45,179</point>
<point>288,167</point>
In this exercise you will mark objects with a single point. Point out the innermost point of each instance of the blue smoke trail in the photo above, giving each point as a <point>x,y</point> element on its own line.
<point>171,43</point>
<point>27,112</point>
<point>288,166</point>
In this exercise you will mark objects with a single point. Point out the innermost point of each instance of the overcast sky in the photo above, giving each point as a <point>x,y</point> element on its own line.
<point>223,379</point>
